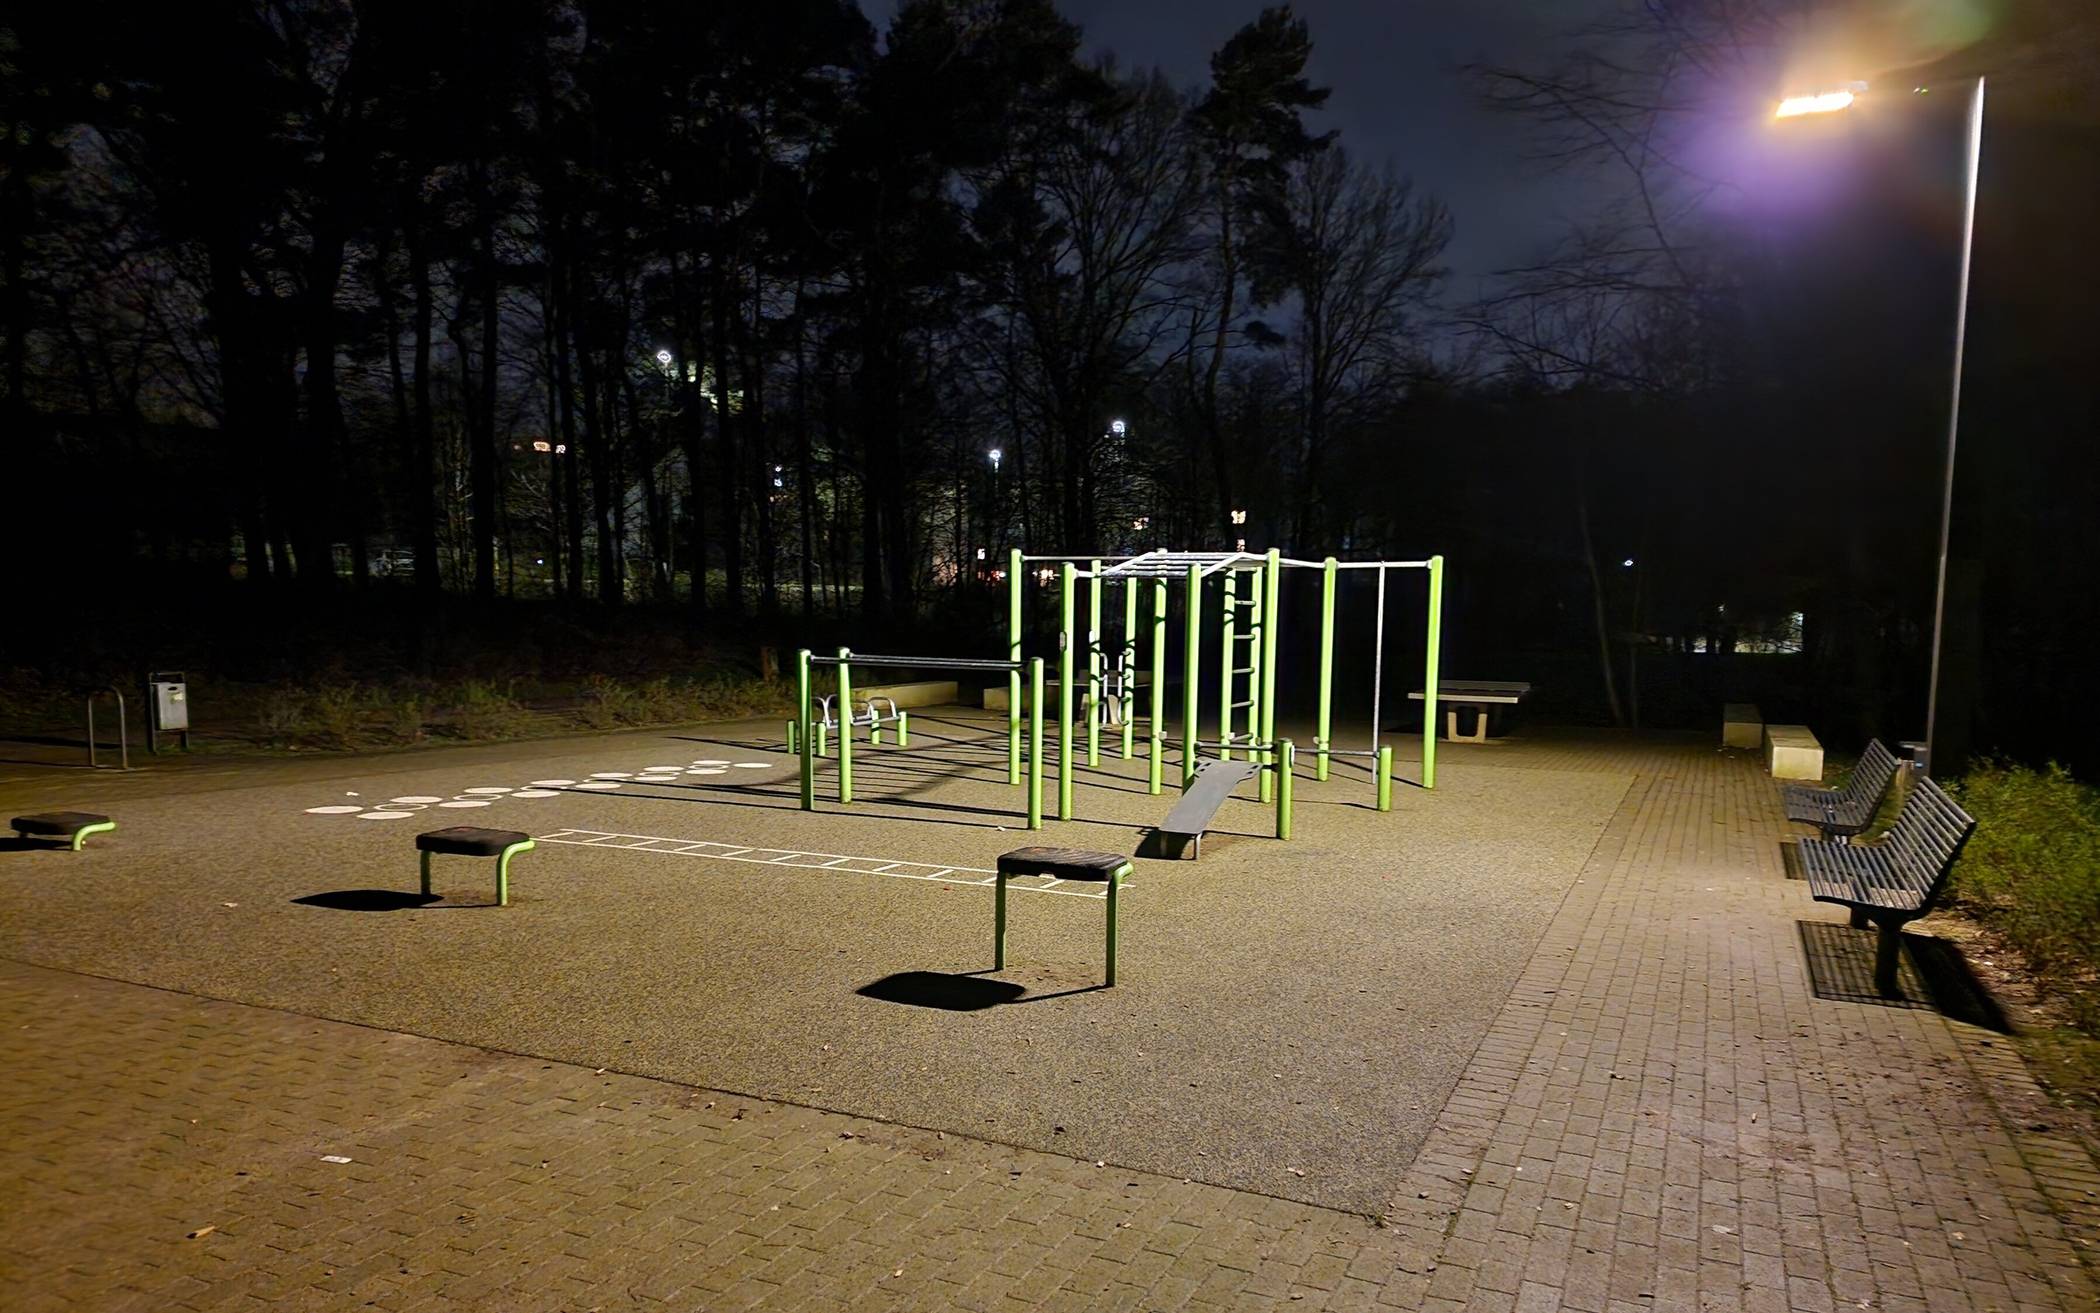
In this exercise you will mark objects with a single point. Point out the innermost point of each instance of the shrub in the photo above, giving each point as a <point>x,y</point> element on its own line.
<point>335,713</point>
<point>281,716</point>
<point>2032,872</point>
<point>404,718</point>
<point>606,702</point>
<point>484,710</point>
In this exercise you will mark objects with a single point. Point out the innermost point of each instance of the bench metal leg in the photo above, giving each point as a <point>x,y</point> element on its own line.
<point>1115,882</point>
<point>80,835</point>
<point>999,925</point>
<point>1480,727</point>
<point>426,874</point>
<point>503,871</point>
<point>1886,949</point>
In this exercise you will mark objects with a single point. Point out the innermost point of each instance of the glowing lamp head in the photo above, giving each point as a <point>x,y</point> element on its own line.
<point>664,358</point>
<point>1820,102</point>
<point>1118,427</point>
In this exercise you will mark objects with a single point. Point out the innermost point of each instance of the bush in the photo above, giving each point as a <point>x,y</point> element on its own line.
<point>606,702</point>
<point>335,713</point>
<point>2032,872</point>
<point>483,710</point>
<point>281,716</point>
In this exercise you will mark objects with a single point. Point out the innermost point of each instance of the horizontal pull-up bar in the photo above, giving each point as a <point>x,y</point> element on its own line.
<point>1357,565</point>
<point>917,662</point>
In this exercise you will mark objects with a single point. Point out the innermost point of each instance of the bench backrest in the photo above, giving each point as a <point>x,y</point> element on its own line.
<point>1870,779</point>
<point>1928,835</point>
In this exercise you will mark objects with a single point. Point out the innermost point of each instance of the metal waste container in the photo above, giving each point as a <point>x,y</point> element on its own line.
<point>167,707</point>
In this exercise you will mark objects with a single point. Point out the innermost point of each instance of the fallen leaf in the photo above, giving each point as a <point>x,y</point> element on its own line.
<point>333,1158</point>
<point>200,1233</point>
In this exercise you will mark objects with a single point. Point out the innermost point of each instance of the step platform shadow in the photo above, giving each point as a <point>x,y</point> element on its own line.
<point>367,900</point>
<point>1931,972</point>
<point>956,991</point>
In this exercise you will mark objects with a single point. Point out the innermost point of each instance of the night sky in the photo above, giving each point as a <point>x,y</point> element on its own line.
<point>1399,94</point>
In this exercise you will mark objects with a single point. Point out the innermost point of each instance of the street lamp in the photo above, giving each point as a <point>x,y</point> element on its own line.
<point>1828,102</point>
<point>1118,427</point>
<point>996,456</point>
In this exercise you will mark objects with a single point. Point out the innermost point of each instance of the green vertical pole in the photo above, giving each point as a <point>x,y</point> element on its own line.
<point>1159,683</point>
<point>1035,743</point>
<point>1326,731</point>
<point>1225,668</point>
<point>1385,777</point>
<point>1126,660</point>
<point>1429,670</point>
<point>845,725</point>
<point>1272,602</point>
<point>999,923</point>
<point>808,740</point>
<point>1013,677</point>
<point>1065,675</point>
<point>1115,882</point>
<point>1093,663</point>
<point>1191,657</point>
<point>1286,756</point>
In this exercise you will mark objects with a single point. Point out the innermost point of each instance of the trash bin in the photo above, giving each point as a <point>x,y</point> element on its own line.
<point>167,707</point>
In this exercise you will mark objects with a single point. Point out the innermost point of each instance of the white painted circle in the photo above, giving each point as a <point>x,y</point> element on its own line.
<point>611,774</point>
<point>486,792</point>
<point>386,815</point>
<point>537,793</point>
<point>424,798</point>
<point>654,769</point>
<point>752,765</point>
<point>710,761</point>
<point>595,784</point>
<point>332,811</point>
<point>463,802</point>
<point>552,784</point>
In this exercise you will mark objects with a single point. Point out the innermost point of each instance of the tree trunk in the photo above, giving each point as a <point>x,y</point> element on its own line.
<point>482,455</point>
<point>1598,610</point>
<point>732,474</point>
<point>423,471</point>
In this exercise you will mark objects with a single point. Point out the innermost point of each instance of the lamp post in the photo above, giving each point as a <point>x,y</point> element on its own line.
<point>1829,102</point>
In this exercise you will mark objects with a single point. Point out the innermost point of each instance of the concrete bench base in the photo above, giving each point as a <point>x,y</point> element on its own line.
<point>1792,752</point>
<point>1742,726</point>
<point>922,693</point>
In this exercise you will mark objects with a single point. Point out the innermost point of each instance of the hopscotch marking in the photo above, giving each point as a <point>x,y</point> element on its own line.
<point>829,862</point>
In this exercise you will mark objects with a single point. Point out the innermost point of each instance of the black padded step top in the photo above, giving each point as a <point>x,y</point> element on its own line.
<point>1214,782</point>
<point>57,822</point>
<point>469,841</point>
<point>1064,863</point>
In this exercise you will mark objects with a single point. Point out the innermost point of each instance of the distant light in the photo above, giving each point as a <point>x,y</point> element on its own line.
<point>541,444</point>
<point>1239,517</point>
<point>1046,574</point>
<point>1628,563</point>
<point>664,358</point>
<point>539,560</point>
<point>1117,427</point>
<point>1243,544</point>
<point>1820,102</point>
<point>995,454</point>
<point>999,574</point>
<point>980,553</point>
<point>561,448</point>
<point>1141,523</point>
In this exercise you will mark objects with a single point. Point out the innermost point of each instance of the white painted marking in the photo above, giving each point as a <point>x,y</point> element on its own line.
<point>463,802</point>
<point>385,815</point>
<point>487,792</point>
<point>333,811</point>
<point>754,765</point>
<point>552,784</point>
<point>421,798</point>
<point>672,768</point>
<point>600,785</point>
<point>962,875</point>
<point>710,761</point>
<point>537,793</point>
<point>707,770</point>
<point>612,774</point>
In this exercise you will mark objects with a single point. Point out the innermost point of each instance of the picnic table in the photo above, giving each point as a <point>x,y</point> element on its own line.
<point>1481,695</point>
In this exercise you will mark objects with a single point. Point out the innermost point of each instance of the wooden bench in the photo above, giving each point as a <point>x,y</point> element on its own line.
<point>1792,752</point>
<point>1059,864</point>
<point>1897,880</point>
<point>1841,813</point>
<point>473,841</point>
<point>73,827</point>
<point>1482,695</point>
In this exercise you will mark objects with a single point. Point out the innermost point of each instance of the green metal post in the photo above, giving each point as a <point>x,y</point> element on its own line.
<point>1035,743</point>
<point>503,871</point>
<point>1385,777</point>
<point>1429,670</point>
<point>1225,668</point>
<point>904,729</point>
<point>1159,683</point>
<point>1126,673</point>
<point>823,740</point>
<point>1191,655</point>
<point>1013,677</point>
<point>1093,663</point>
<point>999,924</point>
<point>791,741</point>
<point>808,739</point>
<point>1326,730</point>
<point>1065,675</point>
<point>845,725</point>
<point>1271,604</point>
<point>1286,755</point>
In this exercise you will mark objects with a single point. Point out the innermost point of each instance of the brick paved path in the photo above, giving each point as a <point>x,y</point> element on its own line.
<point>1663,1117</point>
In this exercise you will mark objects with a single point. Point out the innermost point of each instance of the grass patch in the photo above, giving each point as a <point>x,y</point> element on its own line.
<point>2031,873</point>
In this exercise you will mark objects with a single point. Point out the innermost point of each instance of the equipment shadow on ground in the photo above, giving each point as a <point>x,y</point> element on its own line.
<point>1931,972</point>
<point>960,991</point>
<point>367,900</point>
